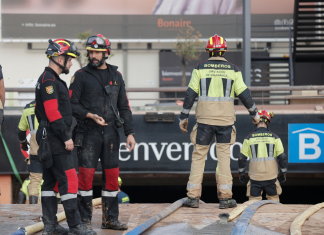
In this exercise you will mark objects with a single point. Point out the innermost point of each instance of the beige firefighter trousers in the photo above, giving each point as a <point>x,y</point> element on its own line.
<point>224,178</point>
<point>35,181</point>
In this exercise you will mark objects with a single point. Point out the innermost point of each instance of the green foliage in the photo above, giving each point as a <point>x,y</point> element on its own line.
<point>187,48</point>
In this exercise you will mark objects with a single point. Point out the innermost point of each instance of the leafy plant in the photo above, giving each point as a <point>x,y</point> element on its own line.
<point>187,48</point>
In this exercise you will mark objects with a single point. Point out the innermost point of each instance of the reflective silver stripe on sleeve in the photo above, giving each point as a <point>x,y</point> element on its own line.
<point>68,196</point>
<point>85,193</point>
<point>262,159</point>
<point>215,99</point>
<point>185,111</point>
<point>253,151</point>
<point>33,132</point>
<point>203,87</point>
<point>228,88</point>
<point>189,185</point>
<point>109,194</point>
<point>252,108</point>
<point>225,186</point>
<point>241,169</point>
<point>31,126</point>
<point>48,194</point>
<point>270,150</point>
<point>283,169</point>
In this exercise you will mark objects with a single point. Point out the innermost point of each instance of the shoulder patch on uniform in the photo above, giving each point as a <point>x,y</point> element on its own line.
<point>72,79</point>
<point>49,89</point>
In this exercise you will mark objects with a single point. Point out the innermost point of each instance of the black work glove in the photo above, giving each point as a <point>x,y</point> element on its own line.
<point>24,146</point>
<point>282,177</point>
<point>242,178</point>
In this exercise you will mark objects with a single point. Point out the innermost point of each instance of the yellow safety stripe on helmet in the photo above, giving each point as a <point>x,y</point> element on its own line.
<point>93,49</point>
<point>222,40</point>
<point>72,55</point>
<point>211,40</point>
<point>63,42</point>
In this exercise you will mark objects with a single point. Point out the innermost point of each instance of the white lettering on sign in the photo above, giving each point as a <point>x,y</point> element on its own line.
<point>170,150</point>
<point>158,154</point>
<point>303,146</point>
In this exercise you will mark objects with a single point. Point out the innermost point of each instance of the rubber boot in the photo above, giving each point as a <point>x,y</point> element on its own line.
<point>21,198</point>
<point>192,202</point>
<point>33,200</point>
<point>81,230</point>
<point>110,212</point>
<point>115,225</point>
<point>54,228</point>
<point>87,225</point>
<point>227,203</point>
<point>60,229</point>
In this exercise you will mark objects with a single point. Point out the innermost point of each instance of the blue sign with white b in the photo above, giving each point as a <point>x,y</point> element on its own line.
<point>306,143</point>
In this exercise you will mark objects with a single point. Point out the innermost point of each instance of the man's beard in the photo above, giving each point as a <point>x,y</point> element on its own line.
<point>66,71</point>
<point>95,62</point>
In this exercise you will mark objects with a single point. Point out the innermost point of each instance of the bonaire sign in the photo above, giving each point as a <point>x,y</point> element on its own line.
<point>306,143</point>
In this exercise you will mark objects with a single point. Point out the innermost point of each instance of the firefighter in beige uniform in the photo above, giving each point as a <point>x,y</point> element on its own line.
<point>264,149</point>
<point>215,82</point>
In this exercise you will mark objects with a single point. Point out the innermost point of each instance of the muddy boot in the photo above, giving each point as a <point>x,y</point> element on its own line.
<point>192,202</point>
<point>115,225</point>
<point>50,229</point>
<point>87,225</point>
<point>21,198</point>
<point>81,230</point>
<point>60,229</point>
<point>33,200</point>
<point>227,203</point>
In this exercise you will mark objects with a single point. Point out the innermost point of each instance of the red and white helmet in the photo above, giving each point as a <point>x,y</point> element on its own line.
<point>215,44</point>
<point>265,116</point>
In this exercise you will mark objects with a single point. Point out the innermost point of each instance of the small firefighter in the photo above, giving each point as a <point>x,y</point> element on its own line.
<point>215,82</point>
<point>29,121</point>
<point>265,151</point>
<point>122,196</point>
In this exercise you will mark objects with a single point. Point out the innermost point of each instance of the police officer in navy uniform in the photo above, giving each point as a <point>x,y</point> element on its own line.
<point>54,114</point>
<point>100,104</point>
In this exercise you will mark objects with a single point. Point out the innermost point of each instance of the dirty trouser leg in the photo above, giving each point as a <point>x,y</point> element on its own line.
<point>224,178</point>
<point>65,173</point>
<point>201,137</point>
<point>36,175</point>
<point>273,190</point>
<point>109,161</point>
<point>88,160</point>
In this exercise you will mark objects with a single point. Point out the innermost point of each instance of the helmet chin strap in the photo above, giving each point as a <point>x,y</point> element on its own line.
<point>61,66</point>
<point>101,62</point>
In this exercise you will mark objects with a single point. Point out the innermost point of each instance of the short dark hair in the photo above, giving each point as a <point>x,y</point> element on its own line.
<point>216,54</point>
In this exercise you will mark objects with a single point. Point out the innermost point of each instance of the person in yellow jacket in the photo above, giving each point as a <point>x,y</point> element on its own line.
<point>29,121</point>
<point>265,152</point>
<point>215,82</point>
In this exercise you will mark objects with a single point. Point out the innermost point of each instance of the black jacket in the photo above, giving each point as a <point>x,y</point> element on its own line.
<point>53,105</point>
<point>88,96</point>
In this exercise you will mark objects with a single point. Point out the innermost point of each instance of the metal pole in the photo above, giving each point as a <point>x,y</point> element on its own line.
<point>125,63</point>
<point>291,59</point>
<point>247,42</point>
